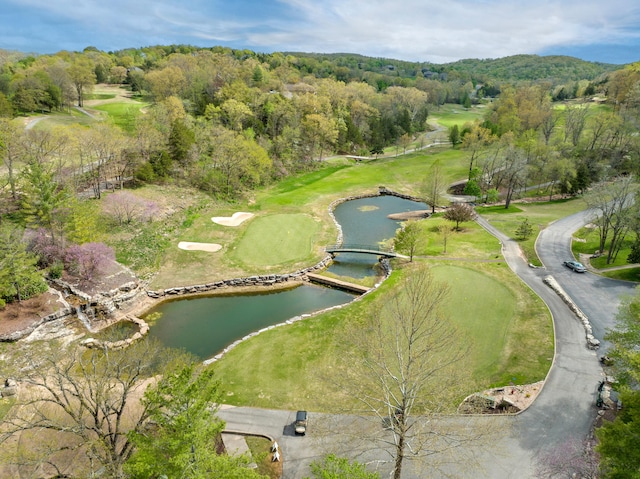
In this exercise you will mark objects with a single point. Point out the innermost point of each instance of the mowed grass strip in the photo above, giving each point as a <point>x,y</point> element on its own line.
<point>123,114</point>
<point>539,215</point>
<point>470,242</point>
<point>450,114</point>
<point>507,328</point>
<point>278,239</point>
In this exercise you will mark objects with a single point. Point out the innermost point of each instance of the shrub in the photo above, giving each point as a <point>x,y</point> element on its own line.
<point>55,270</point>
<point>125,207</point>
<point>88,260</point>
<point>524,231</point>
<point>47,250</point>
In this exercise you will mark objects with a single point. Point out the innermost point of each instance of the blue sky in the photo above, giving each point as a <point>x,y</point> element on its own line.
<point>437,31</point>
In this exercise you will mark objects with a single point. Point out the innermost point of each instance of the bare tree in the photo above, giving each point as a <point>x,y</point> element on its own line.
<point>434,186</point>
<point>125,208</point>
<point>84,403</point>
<point>445,231</point>
<point>11,151</point>
<point>548,125</point>
<point>405,369</point>
<point>575,120</point>
<point>610,202</point>
<point>513,173</point>
<point>572,458</point>
<point>98,149</point>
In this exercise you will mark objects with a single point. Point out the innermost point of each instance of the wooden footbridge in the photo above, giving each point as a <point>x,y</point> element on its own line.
<point>361,248</point>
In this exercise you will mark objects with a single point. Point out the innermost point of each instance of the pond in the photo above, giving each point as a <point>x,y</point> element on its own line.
<point>365,221</point>
<point>205,325</point>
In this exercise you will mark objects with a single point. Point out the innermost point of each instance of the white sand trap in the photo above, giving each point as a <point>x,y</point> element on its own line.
<point>189,246</point>
<point>235,220</point>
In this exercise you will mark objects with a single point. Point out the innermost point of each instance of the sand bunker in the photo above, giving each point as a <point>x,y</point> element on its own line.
<point>189,246</point>
<point>235,220</point>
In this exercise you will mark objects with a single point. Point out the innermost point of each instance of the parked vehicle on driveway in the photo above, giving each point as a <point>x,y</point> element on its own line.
<point>301,423</point>
<point>575,265</point>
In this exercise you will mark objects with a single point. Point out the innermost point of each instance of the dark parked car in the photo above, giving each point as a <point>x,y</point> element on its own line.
<point>301,423</point>
<point>576,266</point>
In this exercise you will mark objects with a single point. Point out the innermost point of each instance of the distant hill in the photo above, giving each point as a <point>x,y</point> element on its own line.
<point>532,67</point>
<point>556,69</point>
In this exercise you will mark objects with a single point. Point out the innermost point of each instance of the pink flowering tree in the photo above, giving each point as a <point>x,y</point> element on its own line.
<point>88,260</point>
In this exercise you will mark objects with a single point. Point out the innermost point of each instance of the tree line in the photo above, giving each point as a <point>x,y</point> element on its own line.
<point>227,122</point>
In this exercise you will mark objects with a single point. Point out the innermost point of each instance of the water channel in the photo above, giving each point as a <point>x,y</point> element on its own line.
<point>206,325</point>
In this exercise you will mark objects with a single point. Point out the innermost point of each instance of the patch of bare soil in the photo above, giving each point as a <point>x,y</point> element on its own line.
<point>17,316</point>
<point>410,215</point>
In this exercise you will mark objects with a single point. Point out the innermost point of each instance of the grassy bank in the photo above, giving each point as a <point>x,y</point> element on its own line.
<point>538,214</point>
<point>507,328</point>
<point>301,203</point>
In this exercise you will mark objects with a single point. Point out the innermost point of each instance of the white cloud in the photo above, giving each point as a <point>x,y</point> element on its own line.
<point>434,30</point>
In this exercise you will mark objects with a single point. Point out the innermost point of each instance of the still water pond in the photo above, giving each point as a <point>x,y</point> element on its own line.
<point>365,221</point>
<point>204,326</point>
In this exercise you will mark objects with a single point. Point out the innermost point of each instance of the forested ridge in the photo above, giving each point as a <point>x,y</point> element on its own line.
<point>515,68</point>
<point>229,121</point>
<point>226,123</point>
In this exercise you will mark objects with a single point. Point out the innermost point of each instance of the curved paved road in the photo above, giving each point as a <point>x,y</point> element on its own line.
<point>565,408</point>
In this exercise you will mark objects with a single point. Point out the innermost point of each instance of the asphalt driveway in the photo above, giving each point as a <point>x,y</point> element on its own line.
<point>564,410</point>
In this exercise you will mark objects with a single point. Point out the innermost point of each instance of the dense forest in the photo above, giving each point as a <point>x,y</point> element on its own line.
<point>228,121</point>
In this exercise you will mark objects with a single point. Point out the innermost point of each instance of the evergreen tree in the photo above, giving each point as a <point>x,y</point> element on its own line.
<point>454,135</point>
<point>181,139</point>
<point>19,276</point>
<point>42,198</point>
<point>472,189</point>
<point>524,231</point>
<point>181,440</point>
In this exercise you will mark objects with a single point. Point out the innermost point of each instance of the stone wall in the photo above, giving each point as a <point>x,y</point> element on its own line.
<point>263,280</point>
<point>592,342</point>
<point>16,335</point>
<point>107,303</point>
<point>143,330</point>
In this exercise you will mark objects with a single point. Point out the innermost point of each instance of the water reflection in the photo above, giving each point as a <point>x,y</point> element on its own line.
<point>204,326</point>
<point>365,221</point>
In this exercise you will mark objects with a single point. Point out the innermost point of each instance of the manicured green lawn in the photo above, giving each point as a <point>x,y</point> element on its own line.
<point>471,242</point>
<point>277,240</point>
<point>122,114</point>
<point>627,274</point>
<point>508,329</point>
<point>539,215</point>
<point>449,114</point>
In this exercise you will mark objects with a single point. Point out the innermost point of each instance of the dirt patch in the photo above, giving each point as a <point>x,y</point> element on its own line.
<point>520,396</point>
<point>507,399</point>
<point>18,316</point>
